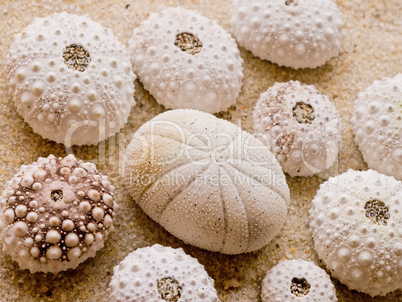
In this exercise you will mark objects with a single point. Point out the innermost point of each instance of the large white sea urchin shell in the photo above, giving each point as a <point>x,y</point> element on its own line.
<point>71,79</point>
<point>300,126</point>
<point>207,182</point>
<point>161,274</point>
<point>356,221</point>
<point>55,213</point>
<point>297,281</point>
<point>377,124</point>
<point>187,61</point>
<point>292,33</point>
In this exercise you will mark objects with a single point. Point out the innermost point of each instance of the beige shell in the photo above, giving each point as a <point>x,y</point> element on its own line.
<point>159,274</point>
<point>297,281</point>
<point>207,182</point>
<point>356,223</point>
<point>71,79</point>
<point>55,213</point>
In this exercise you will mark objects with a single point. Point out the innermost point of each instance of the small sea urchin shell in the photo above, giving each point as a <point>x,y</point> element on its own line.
<point>356,221</point>
<point>377,122</point>
<point>292,33</point>
<point>297,281</point>
<point>207,182</point>
<point>161,274</point>
<point>55,213</point>
<point>71,79</point>
<point>187,61</point>
<point>300,126</point>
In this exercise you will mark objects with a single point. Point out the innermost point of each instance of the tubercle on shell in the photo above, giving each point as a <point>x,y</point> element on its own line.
<point>55,213</point>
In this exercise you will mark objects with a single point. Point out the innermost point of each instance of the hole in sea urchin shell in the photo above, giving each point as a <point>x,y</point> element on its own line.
<point>169,289</point>
<point>303,113</point>
<point>189,43</point>
<point>291,2</point>
<point>76,57</point>
<point>377,212</point>
<point>299,287</point>
<point>56,195</point>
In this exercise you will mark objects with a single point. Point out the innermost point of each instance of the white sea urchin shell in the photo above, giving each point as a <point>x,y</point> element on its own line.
<point>71,79</point>
<point>292,33</point>
<point>55,213</point>
<point>377,122</point>
<point>297,281</point>
<point>356,221</point>
<point>300,126</point>
<point>161,274</point>
<point>187,61</point>
<point>207,182</point>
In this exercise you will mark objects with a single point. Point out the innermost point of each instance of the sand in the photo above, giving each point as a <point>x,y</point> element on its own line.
<point>371,49</point>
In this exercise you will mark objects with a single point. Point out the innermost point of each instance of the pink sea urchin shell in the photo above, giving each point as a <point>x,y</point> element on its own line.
<point>161,274</point>
<point>292,33</point>
<point>377,123</point>
<point>356,221</point>
<point>55,213</point>
<point>207,182</point>
<point>297,281</point>
<point>300,126</point>
<point>71,79</point>
<point>187,61</point>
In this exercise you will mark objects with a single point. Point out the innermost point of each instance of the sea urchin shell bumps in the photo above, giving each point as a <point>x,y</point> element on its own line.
<point>356,221</point>
<point>300,126</point>
<point>187,61</point>
<point>377,121</point>
<point>161,274</point>
<point>71,79</point>
<point>207,182</point>
<point>292,33</point>
<point>297,281</point>
<point>55,213</point>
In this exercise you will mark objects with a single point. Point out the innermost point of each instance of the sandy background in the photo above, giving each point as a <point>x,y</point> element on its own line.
<point>372,49</point>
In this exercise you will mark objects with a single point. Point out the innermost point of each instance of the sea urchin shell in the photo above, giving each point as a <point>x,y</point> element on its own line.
<point>377,122</point>
<point>55,213</point>
<point>292,33</point>
<point>297,281</point>
<point>207,182</point>
<point>71,79</point>
<point>161,274</point>
<point>187,61</point>
<point>300,126</point>
<point>356,221</point>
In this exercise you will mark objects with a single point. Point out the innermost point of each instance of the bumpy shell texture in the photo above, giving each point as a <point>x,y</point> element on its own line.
<point>161,274</point>
<point>187,61</point>
<point>207,182</point>
<point>377,122</point>
<point>356,221</point>
<point>71,79</point>
<point>300,126</point>
<point>292,33</point>
<point>55,214</point>
<point>297,281</point>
